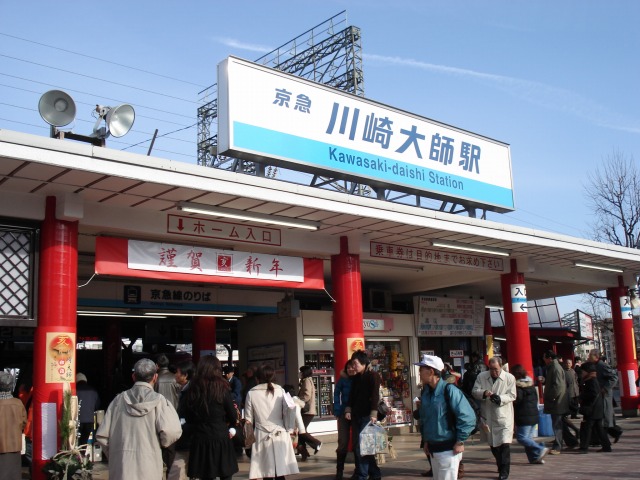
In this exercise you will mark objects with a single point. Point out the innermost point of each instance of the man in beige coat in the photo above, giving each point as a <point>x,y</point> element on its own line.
<point>496,389</point>
<point>13,418</point>
<point>137,423</point>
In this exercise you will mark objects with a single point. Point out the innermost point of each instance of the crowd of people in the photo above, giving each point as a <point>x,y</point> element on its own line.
<point>509,404</point>
<point>193,421</point>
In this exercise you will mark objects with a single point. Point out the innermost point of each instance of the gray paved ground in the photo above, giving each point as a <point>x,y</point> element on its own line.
<point>622,463</point>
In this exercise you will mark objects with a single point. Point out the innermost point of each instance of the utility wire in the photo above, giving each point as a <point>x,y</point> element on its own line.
<point>88,104</point>
<point>159,136</point>
<point>23,123</point>
<point>99,79</point>
<point>102,60</point>
<point>94,95</point>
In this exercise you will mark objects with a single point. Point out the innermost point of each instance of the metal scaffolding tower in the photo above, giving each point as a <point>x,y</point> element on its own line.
<point>329,53</point>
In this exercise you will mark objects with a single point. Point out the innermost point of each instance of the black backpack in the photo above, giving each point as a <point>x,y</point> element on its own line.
<point>474,406</point>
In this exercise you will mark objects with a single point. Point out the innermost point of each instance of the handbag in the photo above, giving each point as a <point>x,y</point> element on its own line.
<point>249,436</point>
<point>306,408</point>
<point>373,439</point>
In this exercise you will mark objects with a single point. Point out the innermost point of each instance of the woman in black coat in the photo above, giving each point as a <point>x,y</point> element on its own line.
<point>526,415</point>
<point>209,411</point>
<point>592,410</point>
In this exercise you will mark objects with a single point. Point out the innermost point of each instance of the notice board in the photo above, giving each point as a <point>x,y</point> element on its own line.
<point>449,317</point>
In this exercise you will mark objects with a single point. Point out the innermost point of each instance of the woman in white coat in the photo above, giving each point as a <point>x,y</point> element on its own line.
<point>496,389</point>
<point>272,455</point>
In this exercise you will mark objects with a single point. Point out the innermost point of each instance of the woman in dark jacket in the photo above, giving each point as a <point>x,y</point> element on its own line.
<point>592,410</point>
<point>363,408</point>
<point>307,393</point>
<point>209,412</point>
<point>340,401</point>
<point>526,415</point>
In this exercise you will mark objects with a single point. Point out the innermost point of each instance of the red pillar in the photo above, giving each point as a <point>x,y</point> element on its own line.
<point>204,337</point>
<point>54,342</point>
<point>348,330</point>
<point>488,337</point>
<point>514,299</point>
<point>625,347</point>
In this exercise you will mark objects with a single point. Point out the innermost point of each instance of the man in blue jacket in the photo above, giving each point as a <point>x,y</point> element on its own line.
<point>445,425</point>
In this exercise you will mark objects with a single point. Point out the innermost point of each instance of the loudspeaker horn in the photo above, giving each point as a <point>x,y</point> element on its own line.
<point>57,108</point>
<point>120,120</point>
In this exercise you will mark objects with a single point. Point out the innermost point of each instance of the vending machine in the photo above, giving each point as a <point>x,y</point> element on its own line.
<point>323,379</point>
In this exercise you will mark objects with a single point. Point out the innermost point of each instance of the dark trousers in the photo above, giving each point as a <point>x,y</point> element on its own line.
<point>502,454</point>
<point>307,438</point>
<point>590,427</point>
<point>344,432</point>
<point>168,455</point>
<point>367,466</point>
<point>556,425</point>
<point>570,432</point>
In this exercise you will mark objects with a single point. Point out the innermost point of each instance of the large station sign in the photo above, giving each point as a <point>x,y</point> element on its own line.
<point>268,115</point>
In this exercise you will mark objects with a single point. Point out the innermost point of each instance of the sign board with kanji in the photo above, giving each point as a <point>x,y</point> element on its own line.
<point>264,113</point>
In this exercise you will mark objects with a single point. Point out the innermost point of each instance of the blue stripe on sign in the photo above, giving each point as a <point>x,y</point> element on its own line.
<point>519,300</point>
<point>324,155</point>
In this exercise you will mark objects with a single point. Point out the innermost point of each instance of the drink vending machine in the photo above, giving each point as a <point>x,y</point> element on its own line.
<point>323,379</point>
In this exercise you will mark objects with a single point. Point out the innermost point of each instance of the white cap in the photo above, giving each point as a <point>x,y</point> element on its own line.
<point>431,361</point>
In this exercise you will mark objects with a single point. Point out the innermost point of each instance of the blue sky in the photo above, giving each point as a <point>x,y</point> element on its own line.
<point>556,80</point>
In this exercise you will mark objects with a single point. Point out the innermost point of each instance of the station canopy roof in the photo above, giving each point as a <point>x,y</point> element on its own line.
<point>130,195</point>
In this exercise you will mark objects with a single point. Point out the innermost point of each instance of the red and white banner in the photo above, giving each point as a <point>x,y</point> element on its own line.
<point>134,258</point>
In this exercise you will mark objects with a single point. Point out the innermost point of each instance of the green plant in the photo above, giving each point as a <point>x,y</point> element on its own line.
<point>68,465</point>
<point>71,463</point>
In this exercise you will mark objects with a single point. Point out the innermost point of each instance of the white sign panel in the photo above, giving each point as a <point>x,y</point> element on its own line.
<point>373,324</point>
<point>207,261</point>
<point>625,308</point>
<point>450,317</point>
<point>518,298</point>
<point>437,257</point>
<point>585,323</point>
<point>456,353</point>
<point>267,114</point>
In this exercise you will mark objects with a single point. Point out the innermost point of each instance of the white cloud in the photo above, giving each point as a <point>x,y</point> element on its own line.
<point>233,43</point>
<point>542,95</point>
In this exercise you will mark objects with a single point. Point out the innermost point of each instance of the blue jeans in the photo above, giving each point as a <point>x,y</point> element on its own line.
<point>524,436</point>
<point>366,465</point>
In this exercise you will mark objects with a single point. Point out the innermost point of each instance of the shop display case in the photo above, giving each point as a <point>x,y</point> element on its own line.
<point>388,360</point>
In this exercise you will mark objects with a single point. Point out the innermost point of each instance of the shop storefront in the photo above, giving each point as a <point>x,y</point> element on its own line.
<point>389,342</point>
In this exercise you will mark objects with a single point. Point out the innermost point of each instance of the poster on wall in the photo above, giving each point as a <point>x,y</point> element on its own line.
<point>274,355</point>
<point>354,344</point>
<point>449,317</point>
<point>61,349</point>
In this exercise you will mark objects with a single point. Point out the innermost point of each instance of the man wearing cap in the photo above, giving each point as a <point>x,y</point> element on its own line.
<point>13,418</point>
<point>138,422</point>
<point>556,398</point>
<point>234,383</point>
<point>445,425</point>
<point>89,403</point>
<point>607,378</point>
<point>496,389</point>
